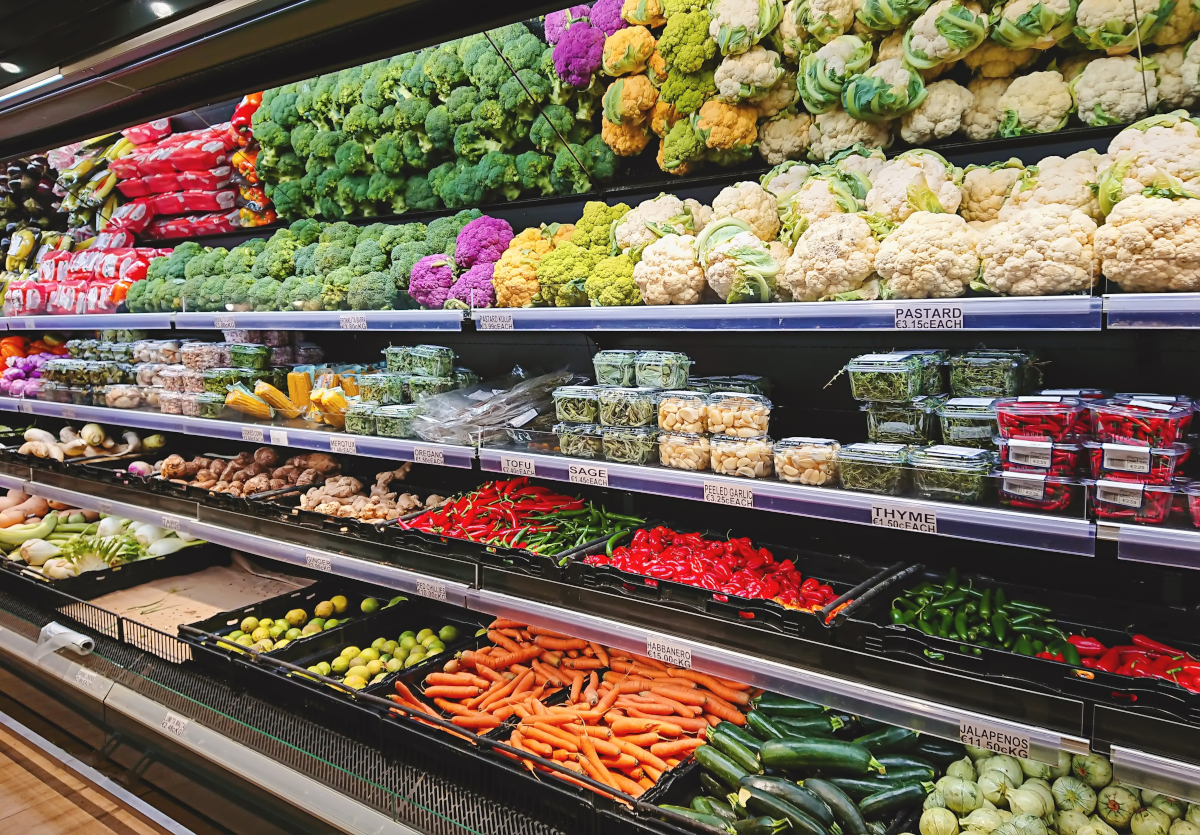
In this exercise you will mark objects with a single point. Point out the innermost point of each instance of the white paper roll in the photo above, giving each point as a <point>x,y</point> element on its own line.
<point>55,636</point>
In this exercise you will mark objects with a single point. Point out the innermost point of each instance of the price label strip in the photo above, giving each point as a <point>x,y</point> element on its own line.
<point>279,437</point>
<point>350,322</point>
<point>903,518</point>
<point>428,455</point>
<point>175,724</point>
<point>343,444</point>
<point>994,739</point>
<point>517,465</point>
<point>317,562</point>
<point>171,523</point>
<point>253,434</point>
<point>85,678</point>
<point>432,589</point>
<point>668,651</point>
<point>734,495</point>
<point>489,321</point>
<point>929,317</point>
<point>224,322</point>
<point>589,474</point>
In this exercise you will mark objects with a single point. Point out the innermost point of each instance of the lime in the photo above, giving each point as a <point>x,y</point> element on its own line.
<point>235,634</point>
<point>413,660</point>
<point>395,665</point>
<point>386,657</point>
<point>408,634</point>
<point>423,634</point>
<point>436,649</point>
<point>278,629</point>
<point>378,642</point>
<point>359,670</point>
<point>370,654</point>
<point>369,606</point>
<point>319,622</point>
<point>292,634</point>
<point>339,665</point>
<point>281,643</point>
<point>408,641</point>
<point>428,639</point>
<point>448,633</point>
<point>390,647</point>
<point>401,653</point>
<point>340,603</point>
<point>332,622</point>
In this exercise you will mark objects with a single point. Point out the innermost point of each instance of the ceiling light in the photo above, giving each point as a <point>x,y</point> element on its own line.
<point>7,67</point>
<point>50,79</point>
<point>161,9</point>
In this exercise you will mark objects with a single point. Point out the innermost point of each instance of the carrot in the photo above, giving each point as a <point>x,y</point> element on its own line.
<point>496,694</point>
<point>626,785</point>
<point>489,674</point>
<point>688,697</point>
<point>607,700</point>
<point>738,697</point>
<point>498,691</point>
<point>561,756</point>
<point>505,623</point>
<point>688,725</point>
<point>498,637</point>
<point>559,732</point>
<point>652,772</point>
<point>551,658</point>
<point>446,691</point>
<point>635,773</point>
<point>549,673</point>
<point>455,680</point>
<point>712,720</point>
<point>479,720</point>
<point>619,761</point>
<point>503,661</point>
<point>655,709</point>
<point>594,731</point>
<point>521,711</point>
<point>644,740</point>
<point>540,748</point>
<point>453,707</point>
<point>525,684</point>
<point>632,667</point>
<point>576,685</point>
<point>646,783</point>
<point>646,758</point>
<point>628,680</point>
<point>675,747</point>
<point>549,633</point>
<point>582,663</point>
<point>724,711</point>
<point>548,642</point>
<point>515,634</point>
<point>737,685</point>
<point>549,718</point>
<point>642,726</point>
<point>648,662</point>
<point>550,739</point>
<point>403,690</point>
<point>599,651</point>
<point>589,750</point>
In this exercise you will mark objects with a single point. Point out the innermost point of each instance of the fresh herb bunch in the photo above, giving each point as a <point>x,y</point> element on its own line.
<point>625,445</point>
<point>396,421</point>
<point>576,404</point>
<point>870,477</point>
<point>969,425</point>
<point>432,361</point>
<point>360,418</point>
<point>948,479</point>
<point>385,389</point>
<point>891,378</point>
<point>614,368</point>
<point>579,440</point>
<point>975,375</point>
<point>914,422</point>
<point>399,359</point>
<point>420,387</point>
<point>626,407</point>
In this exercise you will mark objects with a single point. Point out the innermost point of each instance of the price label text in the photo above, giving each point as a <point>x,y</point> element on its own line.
<point>668,652</point>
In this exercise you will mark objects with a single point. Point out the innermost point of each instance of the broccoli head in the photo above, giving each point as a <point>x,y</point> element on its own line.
<point>411,113</point>
<point>368,257</point>
<point>305,295</point>
<point>404,256</point>
<point>305,231</point>
<point>523,52</point>
<point>439,129</point>
<point>419,196</point>
<point>302,137</point>
<point>196,267</point>
<point>569,176</point>
<point>158,267</point>
<point>401,233</point>
<point>488,73</point>
<point>388,154</point>
<point>192,287</point>
<point>463,188</point>
<point>290,200</point>
<point>334,288</point>
<point>533,172</point>
<point>342,233</point>
<point>275,262</point>
<point>461,102</point>
<point>330,256</point>
<point>471,144</point>
<point>387,191</point>
<point>283,110</point>
<point>348,92</point>
<point>236,295</point>
<point>325,143</point>
<point>264,293</point>
<point>497,174</point>
<point>549,129</point>
<point>362,122</point>
<point>352,194</point>
<point>351,157</point>
<point>326,183</point>
<point>372,291</point>
<point>441,234</point>
<point>415,147</point>
<point>271,134</point>
<point>304,259</point>
<point>212,292</point>
<point>490,117</point>
<point>414,82</point>
<point>135,296</point>
<point>445,69</point>
<point>523,93</point>
<point>600,161</point>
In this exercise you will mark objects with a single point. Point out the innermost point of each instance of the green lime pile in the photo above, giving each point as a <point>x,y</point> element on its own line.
<point>359,667</point>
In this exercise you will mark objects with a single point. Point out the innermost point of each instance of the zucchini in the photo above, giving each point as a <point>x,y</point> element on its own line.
<point>872,724</point>
<point>876,828</point>
<point>892,799</point>
<point>798,796</point>
<point>823,726</point>
<point>777,705</point>
<point>890,761</point>
<point>722,809</point>
<point>826,755</point>
<point>700,804</point>
<point>760,826</point>
<point>843,808</point>
<point>742,756</point>
<point>867,785</point>
<point>711,785</point>
<point>762,726</point>
<point>692,814</point>
<point>889,740</point>
<point>938,751</point>
<point>741,735</point>
<point>727,772</point>
<point>759,802</point>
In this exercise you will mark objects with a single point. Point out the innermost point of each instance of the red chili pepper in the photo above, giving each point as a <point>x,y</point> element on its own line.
<point>1155,646</point>
<point>1087,646</point>
<point>1090,663</point>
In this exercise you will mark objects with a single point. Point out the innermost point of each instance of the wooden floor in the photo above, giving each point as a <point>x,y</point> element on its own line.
<point>38,796</point>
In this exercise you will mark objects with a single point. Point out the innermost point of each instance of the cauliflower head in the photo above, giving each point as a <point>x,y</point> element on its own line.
<point>1115,91</point>
<point>1181,24</point>
<point>785,179</point>
<point>747,74</point>
<point>1070,181</point>
<point>629,101</point>
<point>837,130</point>
<point>824,73</point>
<point>894,187</point>
<point>991,60</point>
<point>516,274</point>
<point>1033,24</point>
<point>860,162</point>
<point>827,19</point>
<point>820,196</point>
<point>982,119</point>
<point>750,202</point>
<point>834,255</point>
<point>738,267</point>
<point>627,51</point>
<point>1040,251</point>
<point>791,32</point>
<point>639,228</point>
<point>1040,102</point>
<point>884,92</point>
<point>1173,91</point>
<point>561,275</point>
<point>1152,244</point>
<point>1189,70</point>
<point>611,283</point>
<point>669,272</point>
<point>1118,26</point>
<point>939,115</point>
<point>737,25</point>
<point>593,230</point>
<point>785,137</point>
<point>929,256</point>
<point>944,32</point>
<point>779,98</point>
<point>727,127</point>
<point>1169,143</point>
<point>986,187</point>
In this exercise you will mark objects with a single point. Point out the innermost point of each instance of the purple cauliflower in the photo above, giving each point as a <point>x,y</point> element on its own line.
<point>483,240</point>
<point>578,54</point>
<point>474,287</point>
<point>606,16</point>
<point>432,278</point>
<point>557,22</point>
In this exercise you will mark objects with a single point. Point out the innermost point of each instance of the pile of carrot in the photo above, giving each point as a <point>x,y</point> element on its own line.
<point>627,718</point>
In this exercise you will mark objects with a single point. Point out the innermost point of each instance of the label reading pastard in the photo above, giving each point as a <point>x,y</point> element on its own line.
<point>486,320</point>
<point>590,474</point>
<point>993,739</point>
<point>668,652</point>
<point>903,518</point>
<point>929,317</point>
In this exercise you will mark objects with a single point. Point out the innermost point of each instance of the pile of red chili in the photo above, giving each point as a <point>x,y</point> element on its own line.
<point>1041,418</point>
<point>1144,658</point>
<point>733,567</point>
<point>1140,422</point>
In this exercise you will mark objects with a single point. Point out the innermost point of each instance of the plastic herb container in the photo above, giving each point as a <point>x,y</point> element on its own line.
<point>122,351</point>
<point>630,445</point>
<point>914,422</point>
<point>1034,491</point>
<point>1123,501</point>
<point>874,468</point>
<point>614,368</point>
<point>1139,422</point>
<point>979,374</point>
<point>933,360</point>
<point>1041,417</point>
<point>210,405</point>
<point>579,440</point>
<point>1125,462</point>
<point>683,411</point>
<point>684,451</point>
<point>576,404</point>
<point>969,421</point>
<point>629,407</point>
<point>396,421</point>
<point>739,415</point>
<point>464,377</point>
<point>950,473</point>
<point>745,457</point>
<point>419,387</point>
<point>1044,457</point>
<point>201,355</point>
<point>887,378</point>
<point>249,356</point>
<point>661,369</point>
<point>399,359</point>
<point>432,361</point>
<point>384,389</point>
<point>360,418</point>
<point>807,460</point>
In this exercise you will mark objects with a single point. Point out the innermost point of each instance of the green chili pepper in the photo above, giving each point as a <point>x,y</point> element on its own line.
<point>1023,647</point>
<point>1000,625</point>
<point>947,622</point>
<point>1029,607</point>
<point>985,607</point>
<point>960,625</point>
<point>1001,599</point>
<point>951,600</point>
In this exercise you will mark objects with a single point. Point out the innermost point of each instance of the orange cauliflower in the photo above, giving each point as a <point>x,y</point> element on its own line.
<point>727,127</point>
<point>628,101</point>
<point>663,118</point>
<point>625,140</point>
<point>628,51</point>
<point>515,275</point>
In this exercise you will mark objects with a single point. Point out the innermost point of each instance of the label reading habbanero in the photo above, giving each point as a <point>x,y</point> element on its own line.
<point>929,317</point>
<point>588,474</point>
<point>668,652</point>
<point>903,518</point>
<point>993,739</point>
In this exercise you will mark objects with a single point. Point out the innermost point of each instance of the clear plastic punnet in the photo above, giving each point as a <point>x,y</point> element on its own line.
<point>885,378</point>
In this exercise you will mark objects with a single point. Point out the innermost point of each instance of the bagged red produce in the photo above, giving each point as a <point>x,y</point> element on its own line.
<point>157,161</point>
<point>134,187</point>
<point>147,132</point>
<point>83,264</point>
<point>199,155</point>
<point>211,180</point>
<point>132,217</point>
<point>67,298</point>
<point>250,218</point>
<point>113,240</point>
<point>216,223</point>
<point>127,168</point>
<point>26,297</point>
<point>163,183</point>
<point>54,266</point>
<point>133,268</point>
<point>100,297</point>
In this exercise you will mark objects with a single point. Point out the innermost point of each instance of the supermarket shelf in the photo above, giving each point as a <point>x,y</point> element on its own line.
<point>1004,527</point>
<point>447,455</point>
<point>1062,313</point>
<point>1166,776</point>
<point>1153,310</point>
<point>327,320</point>
<point>99,321</point>
<point>1177,547</point>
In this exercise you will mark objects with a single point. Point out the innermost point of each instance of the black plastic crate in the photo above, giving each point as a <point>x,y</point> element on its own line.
<point>284,506</point>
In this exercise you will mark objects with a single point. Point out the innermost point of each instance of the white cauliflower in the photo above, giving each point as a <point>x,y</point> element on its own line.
<point>939,115</point>
<point>792,33</point>
<point>834,255</point>
<point>1054,180</point>
<point>1169,143</point>
<point>1118,26</point>
<point>741,269</point>
<point>748,201</point>
<point>632,233</point>
<point>737,25</point>
<point>1040,251</point>
<point>747,74</point>
<point>1033,24</point>
<point>982,120</point>
<point>1181,24</point>
<point>861,162</point>
<point>701,214</point>
<point>827,19</point>
<point>991,60</point>
<point>925,41</point>
<point>837,130</point>
<point>1114,91</point>
<point>785,179</point>
<point>669,272</point>
<point>890,187</point>
<point>1189,71</point>
<point>929,256</point>
<point>1173,91</point>
<point>1036,103</point>
<point>820,196</point>
<point>885,91</point>
<point>785,137</point>
<point>783,95</point>
<point>1152,244</point>
<point>986,187</point>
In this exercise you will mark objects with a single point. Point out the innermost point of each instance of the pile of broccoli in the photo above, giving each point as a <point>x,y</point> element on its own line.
<point>310,265</point>
<point>449,126</point>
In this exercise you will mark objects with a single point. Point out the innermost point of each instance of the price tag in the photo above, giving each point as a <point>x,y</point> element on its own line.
<point>668,652</point>
<point>929,317</point>
<point>224,322</point>
<point>318,563</point>
<point>994,739</point>
<point>175,724</point>
<point>523,418</point>
<point>903,518</point>
<point>31,324</point>
<point>1150,404</point>
<point>1126,459</point>
<point>68,413</point>
<point>432,589</point>
<point>1037,454</point>
<point>517,465</point>
<point>26,407</point>
<point>595,476</point>
<point>488,320</point>
<point>734,495</point>
<point>1038,399</point>
<point>1025,485</point>
<point>1119,492</point>
<point>350,322</point>
<point>428,455</point>
<point>343,443</point>
<point>104,506</point>
<point>171,523</point>
<point>252,434</point>
<point>279,437</point>
<point>85,678</point>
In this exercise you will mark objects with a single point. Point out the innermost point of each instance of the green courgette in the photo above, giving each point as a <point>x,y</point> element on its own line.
<point>893,799</point>
<point>823,725</point>
<point>725,770</point>
<point>844,810</point>
<point>711,785</point>
<point>827,755</point>
<point>759,724</point>
<point>741,735</point>
<point>889,740</point>
<point>891,761</point>
<point>798,796</point>
<point>760,826</point>
<point>692,814</point>
<point>869,784</point>
<point>777,705</point>
<point>742,756</point>
<point>711,806</point>
<point>758,802</point>
<point>938,751</point>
